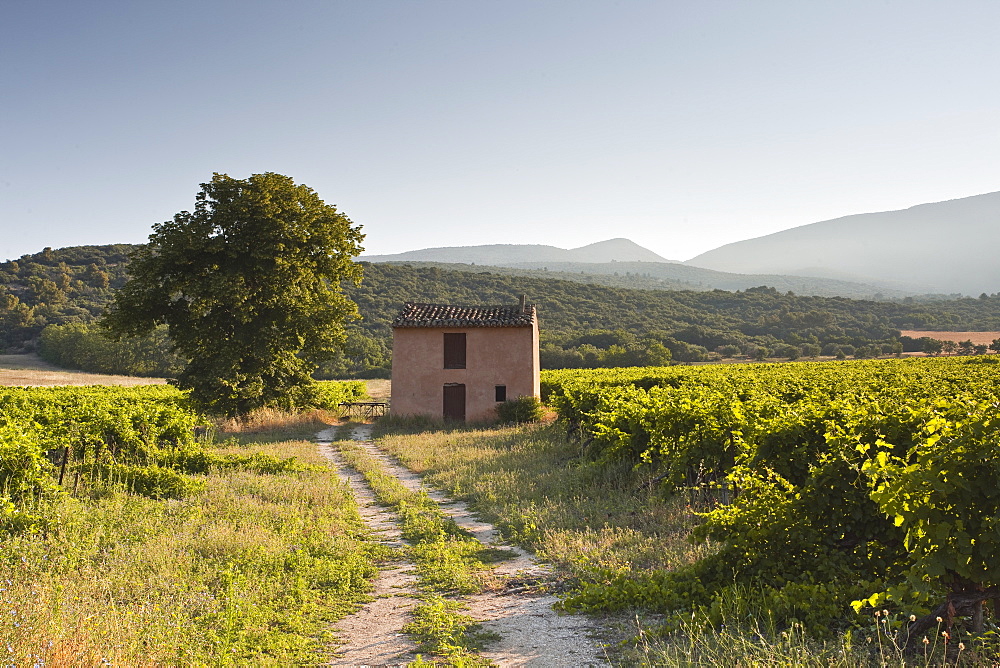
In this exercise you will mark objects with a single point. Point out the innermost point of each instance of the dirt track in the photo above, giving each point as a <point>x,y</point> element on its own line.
<point>531,632</point>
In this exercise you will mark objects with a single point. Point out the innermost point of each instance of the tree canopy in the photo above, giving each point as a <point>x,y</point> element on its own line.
<point>248,286</point>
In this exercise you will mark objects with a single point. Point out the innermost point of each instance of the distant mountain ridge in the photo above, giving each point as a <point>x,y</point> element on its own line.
<point>624,263</point>
<point>939,248</point>
<point>504,255</point>
<point>944,247</point>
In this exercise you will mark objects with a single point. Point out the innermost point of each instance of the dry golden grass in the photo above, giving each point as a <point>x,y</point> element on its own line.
<point>379,389</point>
<point>977,338</point>
<point>272,419</point>
<point>31,370</point>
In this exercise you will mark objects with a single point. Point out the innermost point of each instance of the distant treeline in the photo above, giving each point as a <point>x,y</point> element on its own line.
<point>51,300</point>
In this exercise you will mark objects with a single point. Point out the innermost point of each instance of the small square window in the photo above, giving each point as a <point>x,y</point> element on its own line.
<point>501,392</point>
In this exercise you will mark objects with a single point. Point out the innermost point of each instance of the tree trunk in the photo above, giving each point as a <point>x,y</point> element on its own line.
<point>958,604</point>
<point>977,617</point>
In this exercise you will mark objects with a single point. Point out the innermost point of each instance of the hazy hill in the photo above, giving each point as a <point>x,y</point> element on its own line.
<point>502,255</point>
<point>674,276</point>
<point>623,263</point>
<point>944,247</point>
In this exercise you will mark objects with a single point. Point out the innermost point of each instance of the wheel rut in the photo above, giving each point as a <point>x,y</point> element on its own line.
<point>531,632</point>
<point>373,635</point>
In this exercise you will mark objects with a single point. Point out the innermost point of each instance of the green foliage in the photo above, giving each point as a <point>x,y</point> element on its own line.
<point>25,475</point>
<point>69,285</point>
<point>89,348</point>
<point>838,482</point>
<point>156,482</point>
<point>109,438</point>
<point>585,325</point>
<point>440,628</point>
<point>250,569</point>
<point>519,410</point>
<point>943,492</point>
<point>329,395</point>
<point>24,470</point>
<point>248,286</point>
<point>582,321</point>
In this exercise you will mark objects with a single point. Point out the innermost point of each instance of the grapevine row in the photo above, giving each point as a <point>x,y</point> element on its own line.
<point>147,439</point>
<point>866,483</point>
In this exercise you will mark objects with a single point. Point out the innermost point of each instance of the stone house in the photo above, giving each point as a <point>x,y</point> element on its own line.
<point>459,362</point>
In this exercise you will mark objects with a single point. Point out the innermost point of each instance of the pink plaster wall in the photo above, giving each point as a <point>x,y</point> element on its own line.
<point>494,356</point>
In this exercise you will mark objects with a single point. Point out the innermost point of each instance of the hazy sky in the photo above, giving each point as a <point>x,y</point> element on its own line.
<point>679,125</point>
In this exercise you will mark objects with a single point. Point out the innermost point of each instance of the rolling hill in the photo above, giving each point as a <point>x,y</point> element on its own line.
<point>623,263</point>
<point>674,276</point>
<point>504,255</point>
<point>943,247</point>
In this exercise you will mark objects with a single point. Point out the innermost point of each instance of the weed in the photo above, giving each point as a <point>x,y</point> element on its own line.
<point>252,569</point>
<point>520,410</point>
<point>447,558</point>
<point>440,628</point>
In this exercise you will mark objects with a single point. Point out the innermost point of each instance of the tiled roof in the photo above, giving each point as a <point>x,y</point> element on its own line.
<point>443,315</point>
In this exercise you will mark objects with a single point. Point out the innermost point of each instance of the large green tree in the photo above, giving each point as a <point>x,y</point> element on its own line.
<point>248,285</point>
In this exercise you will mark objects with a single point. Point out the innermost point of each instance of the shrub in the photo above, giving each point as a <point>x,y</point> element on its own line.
<point>522,409</point>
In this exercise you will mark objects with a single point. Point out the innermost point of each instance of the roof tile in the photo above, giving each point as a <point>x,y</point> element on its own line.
<point>444,315</point>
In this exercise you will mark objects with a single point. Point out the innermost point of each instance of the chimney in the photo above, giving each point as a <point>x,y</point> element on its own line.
<point>524,302</point>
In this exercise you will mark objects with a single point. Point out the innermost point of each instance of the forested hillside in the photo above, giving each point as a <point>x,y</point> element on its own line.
<point>674,276</point>
<point>56,287</point>
<point>50,301</point>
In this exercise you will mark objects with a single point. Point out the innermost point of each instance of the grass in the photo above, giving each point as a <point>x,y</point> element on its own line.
<point>448,561</point>
<point>274,425</point>
<point>253,569</point>
<point>30,369</point>
<point>379,389</point>
<point>531,483</point>
<point>695,642</point>
<point>589,520</point>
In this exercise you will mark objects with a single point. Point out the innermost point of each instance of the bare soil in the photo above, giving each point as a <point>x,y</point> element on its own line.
<point>517,607</point>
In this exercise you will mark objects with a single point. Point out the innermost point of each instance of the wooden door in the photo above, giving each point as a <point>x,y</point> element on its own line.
<point>454,402</point>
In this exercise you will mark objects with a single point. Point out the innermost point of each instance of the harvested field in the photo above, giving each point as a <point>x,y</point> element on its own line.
<point>976,337</point>
<point>379,389</point>
<point>31,370</point>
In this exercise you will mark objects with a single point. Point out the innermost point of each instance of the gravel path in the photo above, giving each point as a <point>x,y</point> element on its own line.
<point>372,635</point>
<point>531,632</point>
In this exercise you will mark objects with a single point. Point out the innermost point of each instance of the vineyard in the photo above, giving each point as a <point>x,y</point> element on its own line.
<point>829,489</point>
<point>132,534</point>
<point>819,497</point>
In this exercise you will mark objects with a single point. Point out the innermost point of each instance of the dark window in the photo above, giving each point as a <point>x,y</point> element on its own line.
<point>454,351</point>
<point>501,393</point>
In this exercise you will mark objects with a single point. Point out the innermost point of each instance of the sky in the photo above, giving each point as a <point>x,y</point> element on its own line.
<point>681,125</point>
